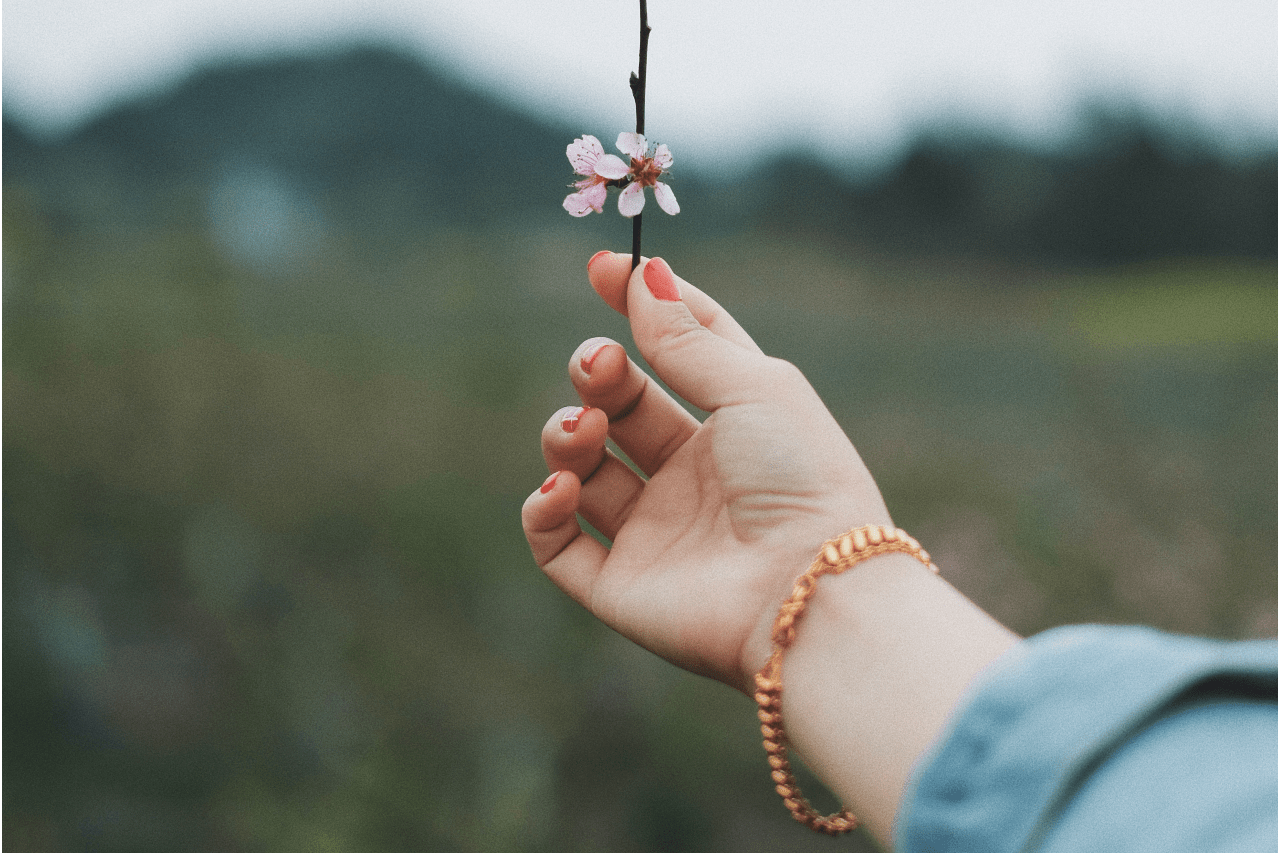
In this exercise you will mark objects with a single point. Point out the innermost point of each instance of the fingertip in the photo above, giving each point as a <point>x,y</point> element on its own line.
<point>589,354</point>
<point>707,368</point>
<point>661,281</point>
<point>601,363</point>
<point>551,504</point>
<point>667,288</point>
<point>605,378</point>
<point>560,548</point>
<point>558,485</point>
<point>654,287</point>
<point>574,440</point>
<point>609,273</point>
<point>656,307</point>
<point>587,423</point>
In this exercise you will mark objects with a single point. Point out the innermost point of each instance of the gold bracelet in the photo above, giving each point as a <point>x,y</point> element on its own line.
<point>836,556</point>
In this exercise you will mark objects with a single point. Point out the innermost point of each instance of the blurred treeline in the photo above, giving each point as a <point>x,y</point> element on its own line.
<point>278,345</point>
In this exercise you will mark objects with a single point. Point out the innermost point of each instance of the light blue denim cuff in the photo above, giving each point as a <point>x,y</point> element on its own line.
<point>1052,713</point>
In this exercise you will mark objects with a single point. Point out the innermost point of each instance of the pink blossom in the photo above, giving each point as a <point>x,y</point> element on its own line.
<point>587,157</point>
<point>645,170</point>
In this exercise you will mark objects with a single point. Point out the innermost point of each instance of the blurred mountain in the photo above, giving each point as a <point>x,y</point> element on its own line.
<point>378,141</point>
<point>1128,190</point>
<point>366,131</point>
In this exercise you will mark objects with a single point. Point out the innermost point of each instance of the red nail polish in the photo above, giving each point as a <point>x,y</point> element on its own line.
<point>589,356</point>
<point>597,256</point>
<point>661,282</point>
<point>569,422</point>
<point>550,483</point>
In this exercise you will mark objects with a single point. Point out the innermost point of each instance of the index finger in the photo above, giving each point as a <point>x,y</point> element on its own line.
<point>609,273</point>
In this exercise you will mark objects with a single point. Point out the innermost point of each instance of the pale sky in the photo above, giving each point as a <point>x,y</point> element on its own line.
<point>849,78</point>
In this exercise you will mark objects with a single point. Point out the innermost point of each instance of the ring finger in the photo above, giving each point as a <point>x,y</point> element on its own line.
<point>573,440</point>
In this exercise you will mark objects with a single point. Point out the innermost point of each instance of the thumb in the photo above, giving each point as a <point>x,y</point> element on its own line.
<point>704,368</point>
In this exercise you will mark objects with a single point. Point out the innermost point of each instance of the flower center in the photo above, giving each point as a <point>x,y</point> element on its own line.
<point>645,172</point>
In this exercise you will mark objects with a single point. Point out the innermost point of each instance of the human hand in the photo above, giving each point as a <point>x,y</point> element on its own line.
<point>734,508</point>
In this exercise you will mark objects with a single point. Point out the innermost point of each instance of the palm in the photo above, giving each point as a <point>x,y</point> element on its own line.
<point>718,535</point>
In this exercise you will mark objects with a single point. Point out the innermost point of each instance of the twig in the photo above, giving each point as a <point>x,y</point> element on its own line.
<point>637,92</point>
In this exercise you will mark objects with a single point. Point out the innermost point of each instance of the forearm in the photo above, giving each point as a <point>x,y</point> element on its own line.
<point>883,653</point>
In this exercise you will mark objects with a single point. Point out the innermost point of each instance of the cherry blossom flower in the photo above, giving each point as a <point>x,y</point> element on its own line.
<point>645,170</point>
<point>601,171</point>
<point>587,157</point>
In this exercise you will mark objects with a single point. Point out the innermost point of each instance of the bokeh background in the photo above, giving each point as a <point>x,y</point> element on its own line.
<point>288,295</point>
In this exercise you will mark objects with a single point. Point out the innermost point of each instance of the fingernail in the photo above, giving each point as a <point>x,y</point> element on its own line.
<point>550,483</point>
<point>597,256</point>
<point>569,422</point>
<point>661,282</point>
<point>590,353</point>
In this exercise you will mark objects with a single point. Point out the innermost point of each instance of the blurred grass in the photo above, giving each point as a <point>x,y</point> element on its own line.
<point>266,588</point>
<point>1178,305</point>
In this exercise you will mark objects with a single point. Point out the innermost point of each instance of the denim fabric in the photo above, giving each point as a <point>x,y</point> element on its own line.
<point>1093,738</point>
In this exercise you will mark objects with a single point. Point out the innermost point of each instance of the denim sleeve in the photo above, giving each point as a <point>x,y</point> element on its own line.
<point>1092,738</point>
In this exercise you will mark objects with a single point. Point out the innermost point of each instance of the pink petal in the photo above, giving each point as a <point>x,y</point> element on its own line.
<point>611,167</point>
<point>583,154</point>
<point>633,145</point>
<point>631,202</point>
<point>577,204</point>
<point>595,196</point>
<point>666,198</point>
<point>662,157</point>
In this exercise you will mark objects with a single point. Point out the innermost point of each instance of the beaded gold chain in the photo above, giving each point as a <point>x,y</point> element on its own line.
<point>836,556</point>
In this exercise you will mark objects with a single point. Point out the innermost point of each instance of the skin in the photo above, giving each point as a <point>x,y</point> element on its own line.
<point>730,511</point>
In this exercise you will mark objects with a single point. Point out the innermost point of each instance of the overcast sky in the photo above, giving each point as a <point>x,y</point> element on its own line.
<point>726,77</point>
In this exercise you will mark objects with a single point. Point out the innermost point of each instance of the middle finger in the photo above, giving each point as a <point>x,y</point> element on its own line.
<point>647,423</point>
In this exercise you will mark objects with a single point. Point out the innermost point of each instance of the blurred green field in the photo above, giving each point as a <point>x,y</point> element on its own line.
<point>265,585</point>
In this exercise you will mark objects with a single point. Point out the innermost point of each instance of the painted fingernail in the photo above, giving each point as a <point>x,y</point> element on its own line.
<point>570,421</point>
<point>590,353</point>
<point>661,282</point>
<point>550,483</point>
<point>597,256</point>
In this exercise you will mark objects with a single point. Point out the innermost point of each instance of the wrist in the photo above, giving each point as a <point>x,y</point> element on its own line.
<point>871,669</point>
<point>790,568</point>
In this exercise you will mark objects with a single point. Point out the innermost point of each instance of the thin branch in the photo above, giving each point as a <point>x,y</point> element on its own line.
<point>637,92</point>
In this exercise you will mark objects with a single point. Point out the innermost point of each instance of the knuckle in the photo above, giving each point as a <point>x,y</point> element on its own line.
<point>785,371</point>
<point>629,400</point>
<point>684,333</point>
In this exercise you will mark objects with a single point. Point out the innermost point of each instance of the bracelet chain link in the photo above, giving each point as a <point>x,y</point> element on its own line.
<point>837,555</point>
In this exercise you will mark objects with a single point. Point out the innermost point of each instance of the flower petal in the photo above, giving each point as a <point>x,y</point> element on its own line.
<point>595,196</point>
<point>662,157</point>
<point>583,154</point>
<point>631,202</point>
<point>666,198</point>
<point>611,166</point>
<point>633,145</point>
<point>577,204</point>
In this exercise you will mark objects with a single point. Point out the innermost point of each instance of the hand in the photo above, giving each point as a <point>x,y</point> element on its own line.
<point>734,508</point>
